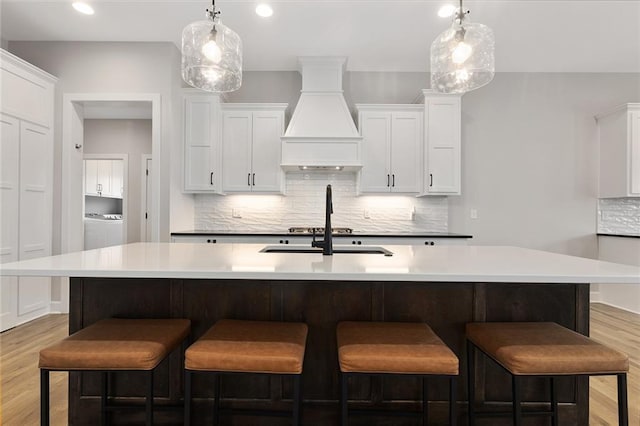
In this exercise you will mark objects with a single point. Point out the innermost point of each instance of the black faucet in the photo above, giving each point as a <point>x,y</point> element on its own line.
<point>327,243</point>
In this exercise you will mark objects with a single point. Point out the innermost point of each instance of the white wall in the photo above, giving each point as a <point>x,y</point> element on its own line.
<point>530,165</point>
<point>131,137</point>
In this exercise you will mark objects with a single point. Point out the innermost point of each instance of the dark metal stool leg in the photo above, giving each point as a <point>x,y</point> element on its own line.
<point>425,401</point>
<point>44,397</point>
<point>517,409</point>
<point>453,397</point>
<point>187,398</point>
<point>344,414</point>
<point>104,421</point>
<point>216,399</point>
<point>149,402</point>
<point>471,389</point>
<point>297,399</point>
<point>554,402</point>
<point>623,409</point>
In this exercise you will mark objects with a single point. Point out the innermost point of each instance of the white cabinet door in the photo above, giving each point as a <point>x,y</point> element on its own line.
<point>9,216</point>
<point>201,144</point>
<point>104,177</point>
<point>236,151</point>
<point>91,177</point>
<point>619,140</point>
<point>266,173</point>
<point>251,147</point>
<point>442,123</point>
<point>35,214</point>
<point>375,128</point>
<point>117,178</point>
<point>406,150</point>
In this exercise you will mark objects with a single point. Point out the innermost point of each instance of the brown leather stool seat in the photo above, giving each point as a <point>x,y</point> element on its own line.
<point>378,348</point>
<point>113,344</point>
<point>256,347</point>
<point>544,349</point>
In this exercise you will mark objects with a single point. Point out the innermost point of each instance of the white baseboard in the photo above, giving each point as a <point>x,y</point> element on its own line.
<point>619,307</point>
<point>595,296</point>
<point>57,308</point>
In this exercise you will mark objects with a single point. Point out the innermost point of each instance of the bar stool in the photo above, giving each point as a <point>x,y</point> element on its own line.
<point>111,345</point>
<point>543,349</point>
<point>248,347</point>
<point>388,348</point>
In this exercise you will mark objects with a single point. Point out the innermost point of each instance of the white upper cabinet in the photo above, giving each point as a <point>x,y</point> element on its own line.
<point>442,117</point>
<point>104,178</point>
<point>251,147</point>
<point>619,134</point>
<point>391,148</point>
<point>202,170</point>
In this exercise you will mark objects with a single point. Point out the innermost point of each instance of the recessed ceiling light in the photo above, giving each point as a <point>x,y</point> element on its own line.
<point>446,10</point>
<point>264,10</point>
<point>83,8</point>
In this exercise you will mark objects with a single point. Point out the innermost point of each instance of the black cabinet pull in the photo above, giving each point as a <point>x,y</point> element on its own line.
<point>286,241</point>
<point>248,179</point>
<point>254,179</point>
<point>353,242</point>
<point>359,242</point>
<point>393,180</point>
<point>387,180</point>
<point>430,179</point>
<point>211,178</point>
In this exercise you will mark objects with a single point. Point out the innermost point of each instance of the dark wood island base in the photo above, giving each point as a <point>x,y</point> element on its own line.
<point>445,306</point>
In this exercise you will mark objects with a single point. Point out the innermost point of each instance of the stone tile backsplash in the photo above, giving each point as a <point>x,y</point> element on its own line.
<point>304,205</point>
<point>619,216</point>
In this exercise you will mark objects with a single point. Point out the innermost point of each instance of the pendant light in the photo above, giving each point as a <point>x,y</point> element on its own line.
<point>211,54</point>
<point>462,57</point>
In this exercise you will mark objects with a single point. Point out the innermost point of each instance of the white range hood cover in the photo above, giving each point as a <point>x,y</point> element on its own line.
<point>321,132</point>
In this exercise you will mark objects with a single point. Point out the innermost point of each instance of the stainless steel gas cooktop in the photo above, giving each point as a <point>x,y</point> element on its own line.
<point>301,230</point>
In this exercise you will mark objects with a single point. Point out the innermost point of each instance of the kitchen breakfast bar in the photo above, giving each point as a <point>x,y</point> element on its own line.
<point>443,286</point>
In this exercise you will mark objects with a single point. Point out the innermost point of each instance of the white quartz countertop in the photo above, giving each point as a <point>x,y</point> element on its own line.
<point>408,263</point>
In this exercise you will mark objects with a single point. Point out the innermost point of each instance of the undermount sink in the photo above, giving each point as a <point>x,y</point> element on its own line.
<point>336,250</point>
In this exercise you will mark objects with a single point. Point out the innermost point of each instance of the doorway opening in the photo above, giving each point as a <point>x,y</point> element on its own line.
<point>81,113</point>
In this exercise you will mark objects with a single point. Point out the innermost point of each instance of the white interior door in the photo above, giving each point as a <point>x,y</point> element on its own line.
<point>9,199</point>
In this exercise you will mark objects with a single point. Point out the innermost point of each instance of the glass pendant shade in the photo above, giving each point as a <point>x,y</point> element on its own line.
<point>211,56</point>
<point>462,58</point>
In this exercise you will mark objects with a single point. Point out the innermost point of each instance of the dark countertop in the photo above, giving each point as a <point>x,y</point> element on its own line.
<point>202,233</point>
<point>619,235</point>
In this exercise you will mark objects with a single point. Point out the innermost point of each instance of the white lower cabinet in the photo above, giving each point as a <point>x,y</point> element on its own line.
<point>306,240</point>
<point>391,148</point>
<point>442,118</point>
<point>251,147</point>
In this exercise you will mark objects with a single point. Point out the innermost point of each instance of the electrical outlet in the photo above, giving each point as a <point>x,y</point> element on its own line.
<point>236,213</point>
<point>473,213</point>
<point>367,214</point>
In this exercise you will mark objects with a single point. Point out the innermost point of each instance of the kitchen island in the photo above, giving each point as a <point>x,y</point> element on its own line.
<point>445,286</point>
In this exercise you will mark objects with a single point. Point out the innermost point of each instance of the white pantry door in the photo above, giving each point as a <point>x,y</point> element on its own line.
<point>9,199</point>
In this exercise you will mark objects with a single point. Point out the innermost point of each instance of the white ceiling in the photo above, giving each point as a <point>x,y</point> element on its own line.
<point>376,35</point>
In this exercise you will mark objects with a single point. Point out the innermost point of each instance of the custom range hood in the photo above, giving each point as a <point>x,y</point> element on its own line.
<point>321,134</point>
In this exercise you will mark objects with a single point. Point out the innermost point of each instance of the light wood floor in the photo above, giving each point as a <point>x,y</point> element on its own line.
<point>20,379</point>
